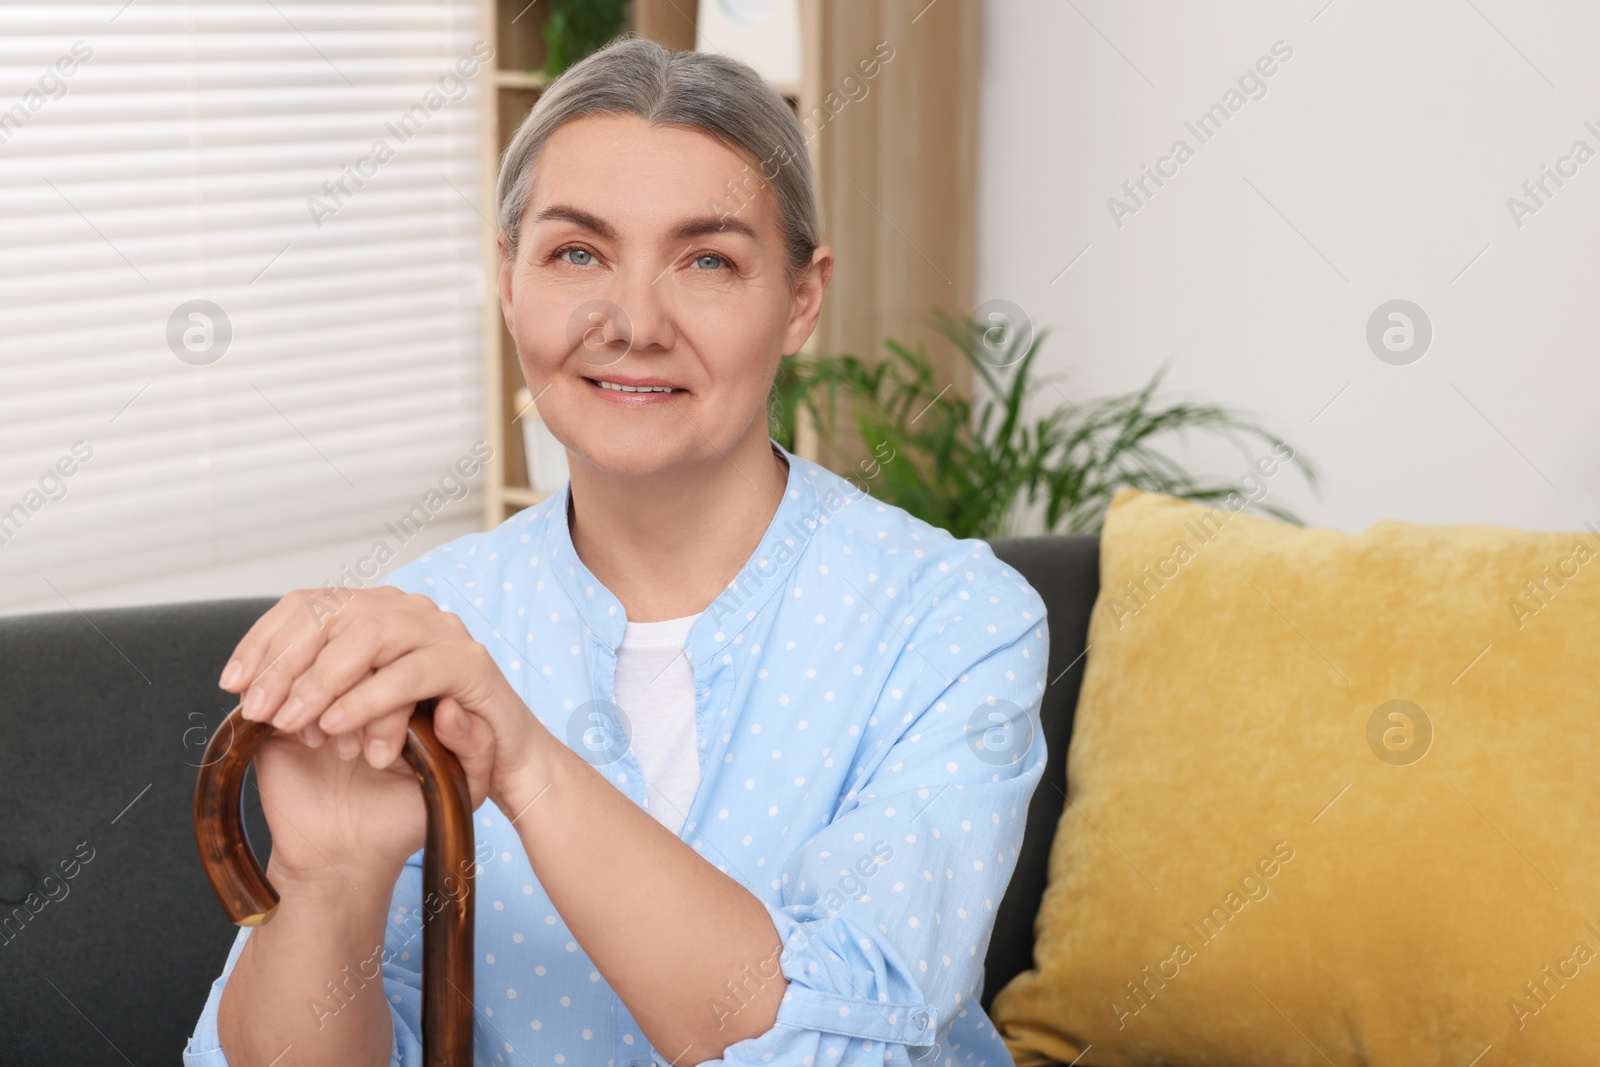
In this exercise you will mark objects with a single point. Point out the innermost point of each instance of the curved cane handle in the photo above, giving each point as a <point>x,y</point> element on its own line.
<point>448,867</point>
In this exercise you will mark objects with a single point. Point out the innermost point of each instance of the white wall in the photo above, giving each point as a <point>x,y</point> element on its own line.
<point>1377,166</point>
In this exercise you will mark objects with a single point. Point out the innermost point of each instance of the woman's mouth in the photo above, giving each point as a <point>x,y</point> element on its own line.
<point>634,391</point>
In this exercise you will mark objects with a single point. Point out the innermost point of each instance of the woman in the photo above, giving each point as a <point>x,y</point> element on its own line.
<point>753,751</point>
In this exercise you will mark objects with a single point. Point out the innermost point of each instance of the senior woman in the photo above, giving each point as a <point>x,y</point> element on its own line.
<point>751,751</point>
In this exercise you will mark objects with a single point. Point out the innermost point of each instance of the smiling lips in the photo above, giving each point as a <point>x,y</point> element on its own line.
<point>634,391</point>
<point>636,388</point>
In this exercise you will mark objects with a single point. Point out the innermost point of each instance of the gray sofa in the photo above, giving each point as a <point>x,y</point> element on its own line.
<point>104,717</point>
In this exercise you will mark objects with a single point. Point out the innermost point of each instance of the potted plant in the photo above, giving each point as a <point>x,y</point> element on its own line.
<point>575,28</point>
<point>977,467</point>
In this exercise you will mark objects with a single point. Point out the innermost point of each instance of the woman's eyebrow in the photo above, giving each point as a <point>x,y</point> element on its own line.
<point>578,217</point>
<point>705,224</point>
<point>691,227</point>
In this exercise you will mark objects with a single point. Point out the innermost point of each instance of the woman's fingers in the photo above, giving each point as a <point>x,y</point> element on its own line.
<point>469,736</point>
<point>385,737</point>
<point>464,679</point>
<point>292,634</point>
<point>348,745</point>
<point>297,613</point>
<point>281,644</point>
<point>354,648</point>
<point>354,677</point>
<point>250,654</point>
<point>297,698</point>
<point>472,740</point>
<point>432,670</point>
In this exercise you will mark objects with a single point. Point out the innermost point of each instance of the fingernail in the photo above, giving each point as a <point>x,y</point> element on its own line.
<point>314,736</point>
<point>230,674</point>
<point>289,713</point>
<point>332,719</point>
<point>378,752</point>
<point>253,699</point>
<point>349,746</point>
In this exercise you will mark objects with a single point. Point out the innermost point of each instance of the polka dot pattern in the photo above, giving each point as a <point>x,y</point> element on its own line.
<point>837,680</point>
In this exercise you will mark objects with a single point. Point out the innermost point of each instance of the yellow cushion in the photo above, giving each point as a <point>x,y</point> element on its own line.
<point>1335,799</point>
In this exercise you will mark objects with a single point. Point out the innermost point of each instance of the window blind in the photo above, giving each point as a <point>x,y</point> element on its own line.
<point>242,257</point>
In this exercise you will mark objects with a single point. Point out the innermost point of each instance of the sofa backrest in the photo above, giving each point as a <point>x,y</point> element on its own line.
<point>104,718</point>
<point>1065,571</point>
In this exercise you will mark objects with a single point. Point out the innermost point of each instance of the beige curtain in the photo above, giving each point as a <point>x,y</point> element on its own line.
<point>898,173</point>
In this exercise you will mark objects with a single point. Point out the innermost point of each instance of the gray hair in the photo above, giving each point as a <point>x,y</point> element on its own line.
<point>715,94</point>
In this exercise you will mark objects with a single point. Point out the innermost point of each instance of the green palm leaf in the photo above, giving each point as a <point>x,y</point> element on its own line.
<point>982,467</point>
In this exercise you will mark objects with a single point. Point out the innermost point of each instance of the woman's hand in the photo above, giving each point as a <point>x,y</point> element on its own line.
<point>342,823</point>
<point>352,671</point>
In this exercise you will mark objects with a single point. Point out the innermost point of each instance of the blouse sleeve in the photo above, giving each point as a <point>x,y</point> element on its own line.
<point>886,913</point>
<point>399,964</point>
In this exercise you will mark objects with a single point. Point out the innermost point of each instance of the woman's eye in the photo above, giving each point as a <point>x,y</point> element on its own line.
<point>568,253</point>
<point>710,261</point>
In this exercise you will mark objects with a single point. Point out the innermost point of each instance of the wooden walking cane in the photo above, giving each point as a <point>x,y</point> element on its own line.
<point>249,899</point>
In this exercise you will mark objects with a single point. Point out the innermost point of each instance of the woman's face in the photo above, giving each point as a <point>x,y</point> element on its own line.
<point>639,264</point>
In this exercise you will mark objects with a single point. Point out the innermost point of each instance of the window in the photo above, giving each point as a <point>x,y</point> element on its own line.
<point>245,253</point>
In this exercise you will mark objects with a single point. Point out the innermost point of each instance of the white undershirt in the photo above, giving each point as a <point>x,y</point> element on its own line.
<point>655,690</point>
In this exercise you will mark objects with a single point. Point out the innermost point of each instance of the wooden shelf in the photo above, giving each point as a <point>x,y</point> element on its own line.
<point>520,496</point>
<point>521,79</point>
<point>516,30</point>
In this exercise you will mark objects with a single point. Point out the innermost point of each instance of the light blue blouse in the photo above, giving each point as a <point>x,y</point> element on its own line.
<point>867,704</point>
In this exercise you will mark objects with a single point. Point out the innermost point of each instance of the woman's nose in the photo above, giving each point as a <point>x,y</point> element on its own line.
<point>645,299</point>
<point>600,331</point>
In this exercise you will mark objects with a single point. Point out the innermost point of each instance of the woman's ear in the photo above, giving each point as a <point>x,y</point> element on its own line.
<point>806,307</point>
<point>507,265</point>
